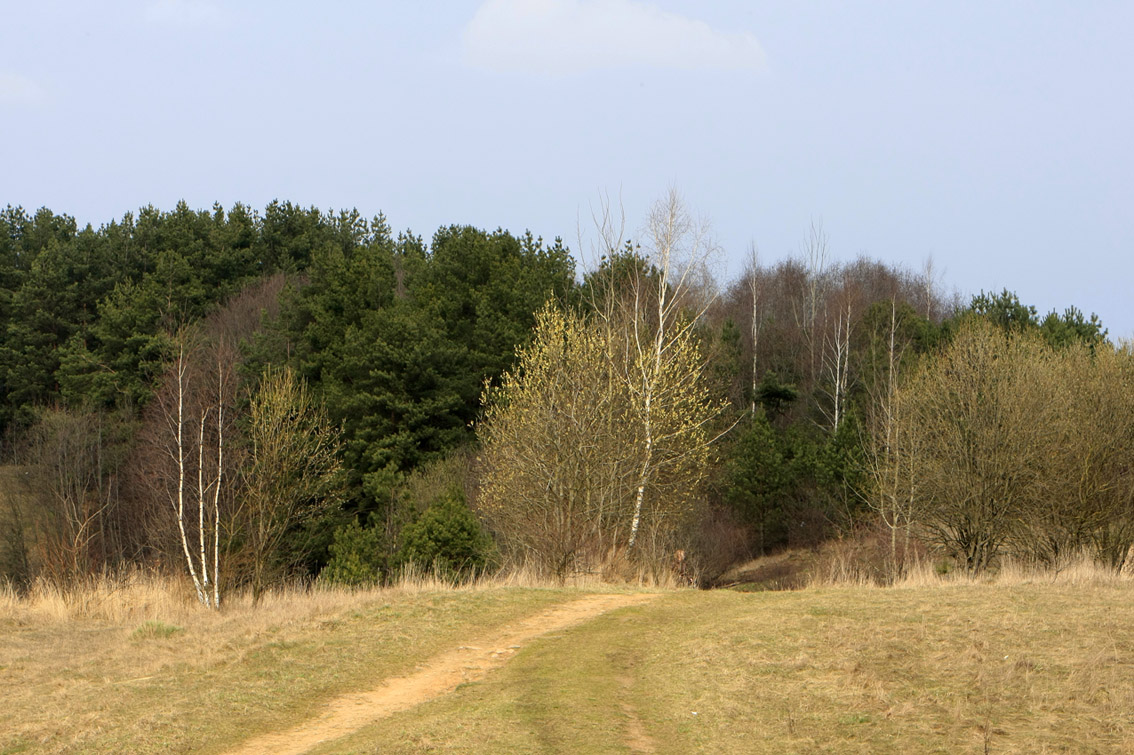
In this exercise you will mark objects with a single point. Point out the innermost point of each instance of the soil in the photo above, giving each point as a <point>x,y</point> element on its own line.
<point>440,675</point>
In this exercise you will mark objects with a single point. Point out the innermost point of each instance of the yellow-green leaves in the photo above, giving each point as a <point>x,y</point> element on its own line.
<point>564,442</point>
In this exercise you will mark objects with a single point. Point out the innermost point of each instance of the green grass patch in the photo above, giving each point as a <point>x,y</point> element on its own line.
<point>156,630</point>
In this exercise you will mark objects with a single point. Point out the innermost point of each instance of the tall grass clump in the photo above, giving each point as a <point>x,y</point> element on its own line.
<point>849,563</point>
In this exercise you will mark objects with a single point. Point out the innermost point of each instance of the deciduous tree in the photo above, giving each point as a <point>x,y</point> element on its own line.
<point>291,472</point>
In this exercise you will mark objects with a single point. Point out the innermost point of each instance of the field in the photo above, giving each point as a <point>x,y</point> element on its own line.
<point>1032,666</point>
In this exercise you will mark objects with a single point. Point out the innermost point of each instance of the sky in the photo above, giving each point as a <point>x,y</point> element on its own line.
<point>990,137</point>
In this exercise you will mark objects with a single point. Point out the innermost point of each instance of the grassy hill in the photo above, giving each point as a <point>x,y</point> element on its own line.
<point>1030,667</point>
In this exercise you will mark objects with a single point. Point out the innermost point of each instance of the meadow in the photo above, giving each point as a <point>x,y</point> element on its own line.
<point>1026,663</point>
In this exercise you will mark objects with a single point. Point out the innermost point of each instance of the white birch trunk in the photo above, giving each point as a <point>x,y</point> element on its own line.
<point>216,496</point>
<point>201,493</point>
<point>180,451</point>
<point>753,290</point>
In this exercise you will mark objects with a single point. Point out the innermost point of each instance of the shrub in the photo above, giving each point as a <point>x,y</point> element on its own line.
<point>447,537</point>
<point>357,556</point>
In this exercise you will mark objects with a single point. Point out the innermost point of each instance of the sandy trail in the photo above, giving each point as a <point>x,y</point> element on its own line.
<point>437,676</point>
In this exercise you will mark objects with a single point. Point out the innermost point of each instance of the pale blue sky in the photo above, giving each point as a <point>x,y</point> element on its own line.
<point>994,136</point>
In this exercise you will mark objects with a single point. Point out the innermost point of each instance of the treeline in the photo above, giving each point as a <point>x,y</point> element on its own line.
<point>250,395</point>
<point>816,352</point>
<point>123,347</point>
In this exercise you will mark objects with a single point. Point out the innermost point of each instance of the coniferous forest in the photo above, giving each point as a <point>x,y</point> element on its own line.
<point>251,396</point>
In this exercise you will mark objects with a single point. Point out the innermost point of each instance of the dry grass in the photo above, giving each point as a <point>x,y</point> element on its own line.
<point>863,562</point>
<point>139,595</point>
<point>614,568</point>
<point>1028,662</point>
<point>845,567</point>
<point>1027,668</point>
<point>131,596</point>
<point>134,665</point>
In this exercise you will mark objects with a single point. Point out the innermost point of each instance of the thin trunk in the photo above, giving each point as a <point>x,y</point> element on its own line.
<point>643,478</point>
<point>216,501</point>
<point>201,492</point>
<point>755,332</point>
<point>181,476</point>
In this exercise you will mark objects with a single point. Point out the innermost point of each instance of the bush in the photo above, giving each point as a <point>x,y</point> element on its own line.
<point>357,556</point>
<point>447,537</point>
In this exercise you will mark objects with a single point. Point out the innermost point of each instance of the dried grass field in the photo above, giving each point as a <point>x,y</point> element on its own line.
<point>1024,665</point>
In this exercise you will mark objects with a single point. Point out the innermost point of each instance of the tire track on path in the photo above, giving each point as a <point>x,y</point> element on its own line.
<point>438,676</point>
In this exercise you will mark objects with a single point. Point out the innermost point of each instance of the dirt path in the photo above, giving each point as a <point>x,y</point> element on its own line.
<point>438,676</point>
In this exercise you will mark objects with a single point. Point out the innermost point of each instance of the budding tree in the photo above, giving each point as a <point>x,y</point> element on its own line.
<point>891,451</point>
<point>981,425</point>
<point>611,411</point>
<point>291,473</point>
<point>554,440</point>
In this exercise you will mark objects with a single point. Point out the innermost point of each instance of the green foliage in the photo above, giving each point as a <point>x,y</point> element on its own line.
<point>1005,311</point>
<point>792,486</point>
<point>775,395</point>
<point>757,478</point>
<point>156,630</point>
<point>358,556</point>
<point>86,313</point>
<point>1072,327</point>
<point>485,289</point>
<point>390,382</point>
<point>414,510</point>
<point>447,537</point>
<point>618,272</point>
<point>914,334</point>
<point>399,339</point>
<point>725,365</point>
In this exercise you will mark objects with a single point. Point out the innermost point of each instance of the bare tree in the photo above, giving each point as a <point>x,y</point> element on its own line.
<point>752,274</point>
<point>816,259</point>
<point>891,453</point>
<point>72,487</point>
<point>193,456</point>
<point>190,450</point>
<point>981,425</point>
<point>836,363</point>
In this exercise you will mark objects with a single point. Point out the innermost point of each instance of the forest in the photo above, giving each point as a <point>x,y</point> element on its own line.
<point>251,396</point>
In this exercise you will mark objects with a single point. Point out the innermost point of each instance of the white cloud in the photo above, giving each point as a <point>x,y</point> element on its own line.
<point>572,36</point>
<point>190,13</point>
<point>19,90</point>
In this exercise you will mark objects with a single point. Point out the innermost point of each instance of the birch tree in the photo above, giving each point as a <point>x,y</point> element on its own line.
<point>606,425</point>
<point>662,367</point>
<point>891,452</point>
<point>756,320</point>
<point>194,458</point>
<point>836,363</point>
